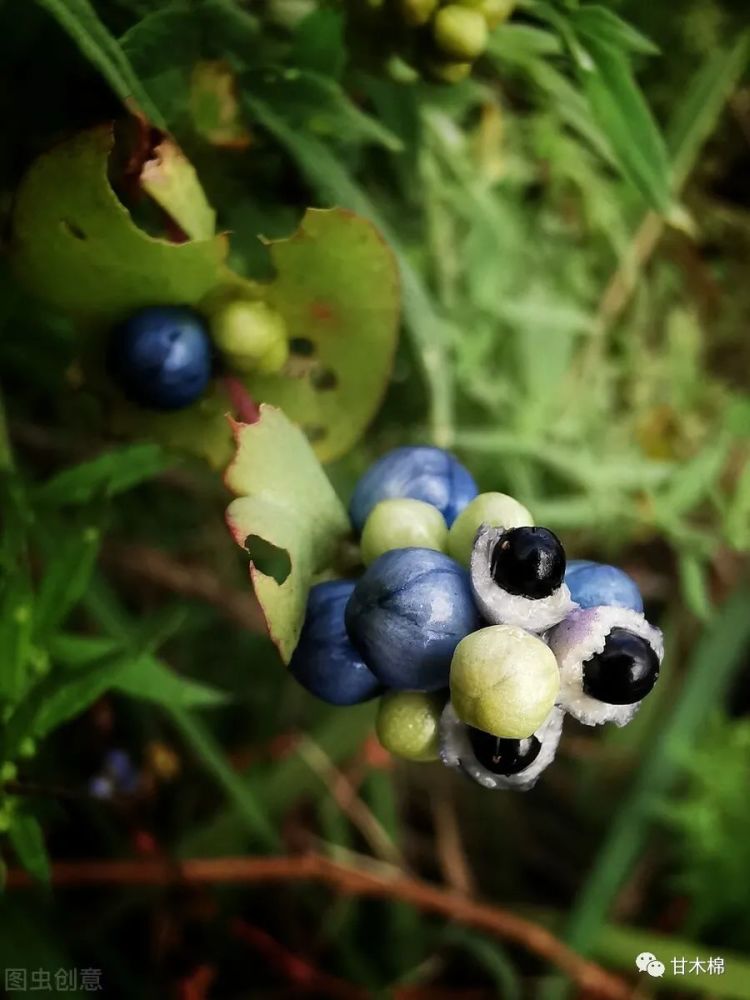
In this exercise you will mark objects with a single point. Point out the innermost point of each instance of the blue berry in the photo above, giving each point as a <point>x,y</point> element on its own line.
<point>161,357</point>
<point>417,473</point>
<point>595,585</point>
<point>408,613</point>
<point>325,662</point>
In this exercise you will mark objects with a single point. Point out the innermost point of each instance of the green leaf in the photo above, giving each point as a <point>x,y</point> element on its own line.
<point>319,43</point>
<point>66,577</point>
<point>75,245</point>
<point>424,324</point>
<point>151,680</point>
<point>603,25</point>
<point>337,288</point>
<point>79,19</point>
<point>71,650</point>
<point>623,115</point>
<point>285,504</point>
<point>696,115</point>
<point>27,839</point>
<point>103,476</point>
<point>693,574</point>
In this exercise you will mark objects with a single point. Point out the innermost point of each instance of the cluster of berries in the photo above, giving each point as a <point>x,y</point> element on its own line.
<point>471,625</point>
<point>163,357</point>
<point>441,38</point>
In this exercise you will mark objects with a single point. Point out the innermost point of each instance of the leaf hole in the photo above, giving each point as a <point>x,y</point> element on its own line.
<point>268,559</point>
<point>315,432</point>
<point>324,379</point>
<point>303,347</point>
<point>73,230</point>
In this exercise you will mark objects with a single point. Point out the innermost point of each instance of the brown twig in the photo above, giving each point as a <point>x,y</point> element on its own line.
<point>305,976</point>
<point>591,978</point>
<point>186,579</point>
<point>450,849</point>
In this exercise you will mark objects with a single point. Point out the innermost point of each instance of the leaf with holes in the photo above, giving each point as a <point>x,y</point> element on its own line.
<point>337,288</point>
<point>75,245</point>
<point>286,515</point>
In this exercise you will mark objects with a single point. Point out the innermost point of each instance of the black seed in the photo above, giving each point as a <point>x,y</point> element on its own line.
<point>624,672</point>
<point>503,756</point>
<point>529,562</point>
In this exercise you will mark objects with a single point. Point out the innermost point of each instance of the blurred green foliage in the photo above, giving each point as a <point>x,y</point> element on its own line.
<point>572,228</point>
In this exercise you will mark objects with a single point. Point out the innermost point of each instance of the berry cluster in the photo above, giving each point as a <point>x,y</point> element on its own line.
<point>441,38</point>
<point>163,357</point>
<point>472,626</point>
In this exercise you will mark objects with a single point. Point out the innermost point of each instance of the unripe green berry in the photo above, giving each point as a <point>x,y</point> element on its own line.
<point>504,681</point>
<point>8,771</point>
<point>495,12</point>
<point>27,748</point>
<point>460,32</point>
<point>408,722</point>
<point>450,72</point>
<point>417,12</point>
<point>498,510</point>
<point>402,524</point>
<point>251,336</point>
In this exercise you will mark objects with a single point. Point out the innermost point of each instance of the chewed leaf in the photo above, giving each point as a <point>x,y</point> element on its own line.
<point>337,288</point>
<point>286,515</point>
<point>170,179</point>
<point>75,245</point>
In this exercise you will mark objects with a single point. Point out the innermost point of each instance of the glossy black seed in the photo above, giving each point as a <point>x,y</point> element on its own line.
<point>625,670</point>
<point>503,756</point>
<point>529,562</point>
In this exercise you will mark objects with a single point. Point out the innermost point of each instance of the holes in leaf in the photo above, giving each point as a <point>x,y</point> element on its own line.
<point>75,231</point>
<point>268,559</point>
<point>324,379</point>
<point>303,347</point>
<point>315,432</point>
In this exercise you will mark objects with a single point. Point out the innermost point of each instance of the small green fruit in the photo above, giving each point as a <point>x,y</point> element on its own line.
<point>460,32</point>
<point>495,12</point>
<point>498,510</point>
<point>408,722</point>
<point>450,72</point>
<point>402,524</point>
<point>417,12</point>
<point>251,336</point>
<point>504,681</point>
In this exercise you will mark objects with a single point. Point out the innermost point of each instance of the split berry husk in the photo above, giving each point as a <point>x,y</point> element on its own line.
<point>503,756</point>
<point>408,724</point>
<point>407,614</point>
<point>402,524</point>
<point>594,584</point>
<point>161,357</point>
<point>499,763</point>
<point>325,662</point>
<point>420,473</point>
<point>617,672</point>
<point>529,562</point>
<point>624,672</point>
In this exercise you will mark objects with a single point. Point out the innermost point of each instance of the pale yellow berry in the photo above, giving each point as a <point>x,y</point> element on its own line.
<point>402,524</point>
<point>498,510</point>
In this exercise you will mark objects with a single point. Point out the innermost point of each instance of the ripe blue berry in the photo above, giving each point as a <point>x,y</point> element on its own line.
<point>418,473</point>
<point>593,584</point>
<point>161,357</point>
<point>325,662</point>
<point>408,613</point>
